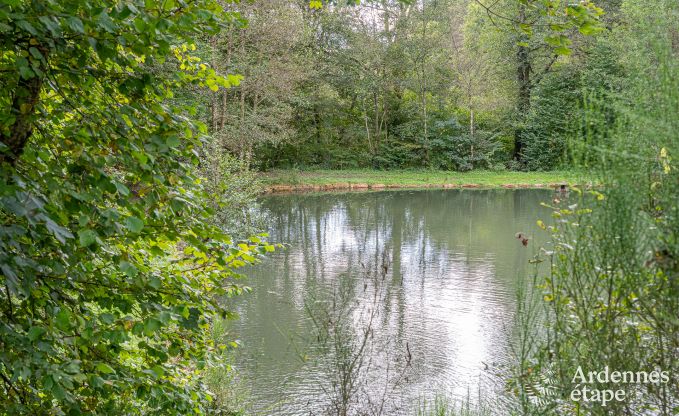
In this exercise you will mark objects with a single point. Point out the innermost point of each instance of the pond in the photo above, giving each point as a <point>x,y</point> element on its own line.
<point>425,281</point>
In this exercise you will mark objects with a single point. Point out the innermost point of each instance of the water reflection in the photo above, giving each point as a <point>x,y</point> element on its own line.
<point>449,292</point>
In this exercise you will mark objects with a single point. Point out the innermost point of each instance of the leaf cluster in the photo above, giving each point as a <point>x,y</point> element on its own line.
<point>111,272</point>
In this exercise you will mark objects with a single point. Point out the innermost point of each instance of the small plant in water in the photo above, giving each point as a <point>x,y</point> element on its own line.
<point>350,350</point>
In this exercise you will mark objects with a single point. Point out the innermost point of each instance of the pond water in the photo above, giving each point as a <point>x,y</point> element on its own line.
<point>424,279</point>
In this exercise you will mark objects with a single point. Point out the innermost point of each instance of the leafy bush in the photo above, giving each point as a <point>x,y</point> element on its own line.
<point>111,270</point>
<point>232,189</point>
<point>558,107</point>
<point>397,154</point>
<point>552,120</point>
<point>455,149</point>
<point>611,294</point>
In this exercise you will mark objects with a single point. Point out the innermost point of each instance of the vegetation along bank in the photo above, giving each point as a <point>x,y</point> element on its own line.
<point>327,180</point>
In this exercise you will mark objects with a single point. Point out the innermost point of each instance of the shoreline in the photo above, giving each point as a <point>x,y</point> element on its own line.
<point>283,181</point>
<point>304,188</point>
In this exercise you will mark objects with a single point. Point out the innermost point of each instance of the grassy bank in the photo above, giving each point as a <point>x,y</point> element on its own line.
<point>292,180</point>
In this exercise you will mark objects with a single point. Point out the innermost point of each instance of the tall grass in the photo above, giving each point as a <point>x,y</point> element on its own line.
<point>230,396</point>
<point>611,297</point>
<point>442,406</point>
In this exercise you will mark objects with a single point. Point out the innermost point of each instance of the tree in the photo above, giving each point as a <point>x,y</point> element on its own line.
<point>380,76</point>
<point>616,301</point>
<point>110,271</point>
<point>260,109</point>
<point>541,31</point>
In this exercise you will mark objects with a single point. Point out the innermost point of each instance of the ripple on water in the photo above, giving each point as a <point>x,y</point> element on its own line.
<point>448,293</point>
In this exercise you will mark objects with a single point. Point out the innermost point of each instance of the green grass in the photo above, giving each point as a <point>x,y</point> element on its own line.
<point>280,179</point>
<point>445,407</point>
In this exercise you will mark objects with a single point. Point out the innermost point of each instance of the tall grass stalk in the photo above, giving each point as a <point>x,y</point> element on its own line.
<point>611,295</point>
<point>442,406</point>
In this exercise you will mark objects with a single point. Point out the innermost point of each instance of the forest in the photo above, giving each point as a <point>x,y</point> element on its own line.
<point>145,269</point>
<point>453,85</point>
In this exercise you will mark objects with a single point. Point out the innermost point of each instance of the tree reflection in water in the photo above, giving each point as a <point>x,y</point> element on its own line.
<point>447,300</point>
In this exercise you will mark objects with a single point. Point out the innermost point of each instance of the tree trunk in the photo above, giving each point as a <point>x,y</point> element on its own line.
<point>367,128</point>
<point>225,94</point>
<point>317,125</point>
<point>242,89</point>
<point>471,122</point>
<point>214,96</point>
<point>26,97</point>
<point>376,121</point>
<point>525,85</point>
<point>424,88</point>
<point>23,106</point>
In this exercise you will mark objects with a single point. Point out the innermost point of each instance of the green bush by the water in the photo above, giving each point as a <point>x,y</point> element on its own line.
<point>611,298</point>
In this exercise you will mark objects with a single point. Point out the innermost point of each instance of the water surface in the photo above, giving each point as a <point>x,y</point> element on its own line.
<point>443,266</point>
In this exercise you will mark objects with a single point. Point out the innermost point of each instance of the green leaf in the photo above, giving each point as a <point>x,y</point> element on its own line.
<point>164,317</point>
<point>75,24</point>
<point>35,332</point>
<point>151,325</point>
<point>87,237</point>
<point>83,220</point>
<point>50,24</point>
<point>172,141</point>
<point>35,53</point>
<point>134,224</point>
<point>158,370</point>
<point>589,28</point>
<point>122,189</point>
<point>27,27</point>
<point>59,232</point>
<point>105,22</point>
<point>562,50</point>
<point>155,283</point>
<point>553,40</point>
<point>141,157</point>
<point>58,391</point>
<point>105,368</point>
<point>128,269</point>
<point>73,367</point>
<point>63,320</point>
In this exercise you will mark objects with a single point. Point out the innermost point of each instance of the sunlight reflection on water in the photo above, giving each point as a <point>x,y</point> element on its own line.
<point>449,295</point>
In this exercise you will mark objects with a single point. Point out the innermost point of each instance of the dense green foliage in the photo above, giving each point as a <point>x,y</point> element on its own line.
<point>558,105</point>
<point>111,270</point>
<point>389,84</point>
<point>612,294</point>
